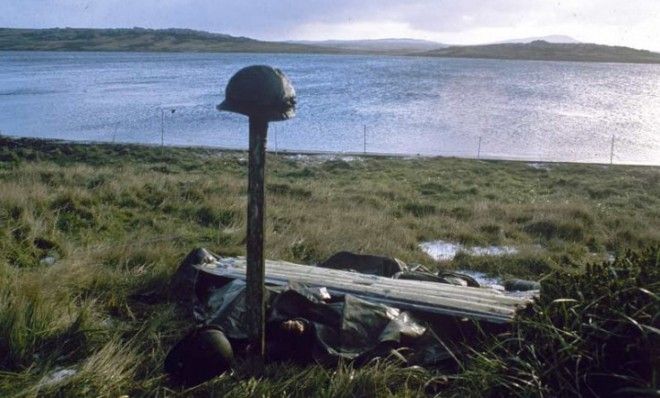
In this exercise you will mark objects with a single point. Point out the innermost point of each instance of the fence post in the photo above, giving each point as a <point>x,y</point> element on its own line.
<point>479,149</point>
<point>162,129</point>
<point>364,135</point>
<point>114,133</point>
<point>612,151</point>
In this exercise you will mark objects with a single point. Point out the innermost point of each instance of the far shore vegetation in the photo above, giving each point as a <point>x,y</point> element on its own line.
<point>90,235</point>
<point>188,40</point>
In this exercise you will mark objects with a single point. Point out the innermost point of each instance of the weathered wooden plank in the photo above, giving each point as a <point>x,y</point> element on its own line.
<point>475,303</point>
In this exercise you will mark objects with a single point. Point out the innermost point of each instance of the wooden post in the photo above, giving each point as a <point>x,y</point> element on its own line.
<point>365,139</point>
<point>114,133</point>
<point>612,151</point>
<point>162,129</point>
<point>479,149</point>
<point>255,238</point>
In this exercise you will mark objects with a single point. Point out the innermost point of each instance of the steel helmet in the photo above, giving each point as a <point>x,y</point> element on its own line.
<point>200,356</point>
<point>260,91</point>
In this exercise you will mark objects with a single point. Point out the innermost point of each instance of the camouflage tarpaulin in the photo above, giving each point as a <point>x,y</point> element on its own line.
<point>320,328</point>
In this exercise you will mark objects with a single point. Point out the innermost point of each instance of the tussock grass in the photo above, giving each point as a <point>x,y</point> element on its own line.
<point>590,334</point>
<point>91,234</point>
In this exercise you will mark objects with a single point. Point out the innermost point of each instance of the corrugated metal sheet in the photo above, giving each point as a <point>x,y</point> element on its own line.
<point>470,302</point>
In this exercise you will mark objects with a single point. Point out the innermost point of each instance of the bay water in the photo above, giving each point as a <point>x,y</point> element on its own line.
<point>525,110</point>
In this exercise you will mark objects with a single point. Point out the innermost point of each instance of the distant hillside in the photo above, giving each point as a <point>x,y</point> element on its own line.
<point>180,40</point>
<point>542,50</point>
<point>391,46</point>
<point>139,39</point>
<point>549,39</point>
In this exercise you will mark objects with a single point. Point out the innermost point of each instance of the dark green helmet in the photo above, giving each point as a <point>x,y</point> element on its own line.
<point>200,356</point>
<point>260,91</point>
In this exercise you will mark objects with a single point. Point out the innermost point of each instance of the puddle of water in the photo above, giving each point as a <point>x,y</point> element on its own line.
<point>492,250</point>
<point>540,166</point>
<point>484,280</point>
<point>315,159</point>
<point>441,250</point>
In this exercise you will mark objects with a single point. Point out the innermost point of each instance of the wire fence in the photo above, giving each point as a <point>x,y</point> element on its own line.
<point>368,141</point>
<point>369,146</point>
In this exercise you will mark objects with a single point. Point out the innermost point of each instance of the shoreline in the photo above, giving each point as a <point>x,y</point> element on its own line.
<point>303,152</point>
<point>334,54</point>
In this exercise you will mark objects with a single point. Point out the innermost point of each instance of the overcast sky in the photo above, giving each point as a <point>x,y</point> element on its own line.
<point>634,23</point>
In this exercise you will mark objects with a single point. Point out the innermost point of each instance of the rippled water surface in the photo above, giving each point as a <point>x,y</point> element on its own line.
<point>559,111</point>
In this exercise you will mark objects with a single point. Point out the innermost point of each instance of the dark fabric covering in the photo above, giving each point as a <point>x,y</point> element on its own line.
<point>393,268</point>
<point>333,328</point>
<point>345,328</point>
<point>364,264</point>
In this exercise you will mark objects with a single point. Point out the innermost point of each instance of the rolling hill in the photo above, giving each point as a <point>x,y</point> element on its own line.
<point>390,46</point>
<point>139,39</point>
<point>545,51</point>
<point>549,39</point>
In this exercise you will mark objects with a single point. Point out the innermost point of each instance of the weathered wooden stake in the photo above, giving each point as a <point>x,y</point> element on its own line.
<point>255,236</point>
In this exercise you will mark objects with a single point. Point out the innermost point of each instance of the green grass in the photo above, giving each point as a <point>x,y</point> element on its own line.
<point>118,219</point>
<point>591,334</point>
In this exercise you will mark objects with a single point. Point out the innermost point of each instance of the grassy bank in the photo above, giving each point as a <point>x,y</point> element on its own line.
<point>90,235</point>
